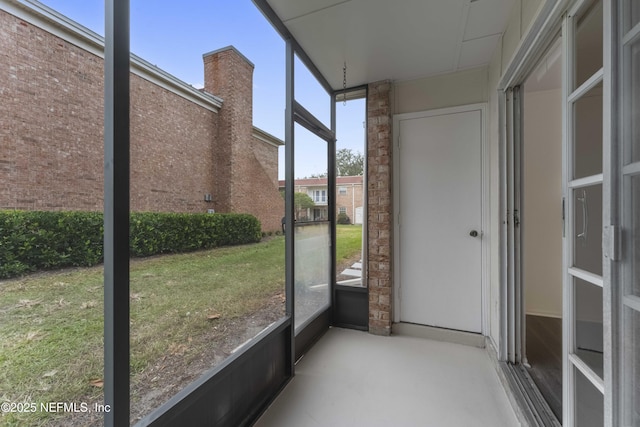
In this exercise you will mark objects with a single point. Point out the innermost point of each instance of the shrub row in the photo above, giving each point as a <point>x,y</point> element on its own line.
<point>35,240</point>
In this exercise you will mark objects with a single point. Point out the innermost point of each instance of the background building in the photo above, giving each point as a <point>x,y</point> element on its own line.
<point>191,150</point>
<point>349,197</point>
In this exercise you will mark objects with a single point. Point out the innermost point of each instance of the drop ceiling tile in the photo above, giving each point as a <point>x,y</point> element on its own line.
<point>487,17</point>
<point>292,9</point>
<point>477,52</point>
<point>399,40</point>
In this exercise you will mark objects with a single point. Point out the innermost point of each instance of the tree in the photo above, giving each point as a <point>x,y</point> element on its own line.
<point>349,163</point>
<point>302,201</point>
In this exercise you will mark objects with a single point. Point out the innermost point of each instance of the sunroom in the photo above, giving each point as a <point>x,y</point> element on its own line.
<point>501,206</point>
<point>528,250</point>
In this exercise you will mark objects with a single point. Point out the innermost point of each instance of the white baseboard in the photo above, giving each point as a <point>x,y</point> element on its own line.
<point>439,334</point>
<point>544,314</point>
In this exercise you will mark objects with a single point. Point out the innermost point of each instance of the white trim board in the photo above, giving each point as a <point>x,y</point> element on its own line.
<point>439,334</point>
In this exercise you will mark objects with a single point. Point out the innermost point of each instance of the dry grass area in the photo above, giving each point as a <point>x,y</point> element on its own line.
<point>188,313</point>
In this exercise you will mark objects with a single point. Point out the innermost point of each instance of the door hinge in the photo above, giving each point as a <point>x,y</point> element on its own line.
<point>516,218</point>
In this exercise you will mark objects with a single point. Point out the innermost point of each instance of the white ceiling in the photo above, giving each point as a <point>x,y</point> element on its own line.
<point>394,39</point>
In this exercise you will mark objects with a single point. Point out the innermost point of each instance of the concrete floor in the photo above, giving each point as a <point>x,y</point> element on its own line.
<point>352,378</point>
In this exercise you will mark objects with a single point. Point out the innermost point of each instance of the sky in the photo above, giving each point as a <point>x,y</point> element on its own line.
<point>174,35</point>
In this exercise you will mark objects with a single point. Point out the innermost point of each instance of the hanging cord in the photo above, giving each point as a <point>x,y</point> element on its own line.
<point>344,84</point>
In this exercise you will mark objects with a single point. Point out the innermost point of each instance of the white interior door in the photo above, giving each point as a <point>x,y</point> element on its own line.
<point>440,209</point>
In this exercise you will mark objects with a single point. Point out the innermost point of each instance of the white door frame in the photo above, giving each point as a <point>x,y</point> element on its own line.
<point>514,75</point>
<point>484,167</point>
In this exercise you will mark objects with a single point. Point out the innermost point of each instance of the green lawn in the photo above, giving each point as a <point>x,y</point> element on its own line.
<point>51,324</point>
<point>348,242</point>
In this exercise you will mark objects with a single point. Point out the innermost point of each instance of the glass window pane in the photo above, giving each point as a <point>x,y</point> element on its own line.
<point>51,201</point>
<point>350,149</point>
<point>632,234</point>
<point>588,39</point>
<point>632,105</point>
<point>589,409</point>
<point>587,212</point>
<point>588,134</point>
<point>312,229</point>
<point>588,324</point>
<point>631,367</point>
<point>312,268</point>
<point>191,310</point>
<point>310,93</point>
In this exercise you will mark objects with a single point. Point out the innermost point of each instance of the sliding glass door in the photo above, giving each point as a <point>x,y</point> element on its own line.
<point>583,258</point>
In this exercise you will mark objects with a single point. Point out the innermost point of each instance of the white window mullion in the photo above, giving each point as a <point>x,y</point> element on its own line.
<point>586,86</point>
<point>587,276</point>
<point>586,181</point>
<point>632,35</point>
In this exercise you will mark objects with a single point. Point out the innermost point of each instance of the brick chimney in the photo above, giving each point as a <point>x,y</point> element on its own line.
<point>229,75</point>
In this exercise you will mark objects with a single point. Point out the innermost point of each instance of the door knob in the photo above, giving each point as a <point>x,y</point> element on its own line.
<point>473,233</point>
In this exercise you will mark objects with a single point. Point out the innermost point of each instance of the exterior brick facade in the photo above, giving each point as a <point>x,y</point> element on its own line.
<point>350,201</point>
<point>352,197</point>
<point>172,151</point>
<point>184,143</point>
<point>51,118</point>
<point>380,208</point>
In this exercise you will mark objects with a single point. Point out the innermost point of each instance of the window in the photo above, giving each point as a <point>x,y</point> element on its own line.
<point>312,261</point>
<point>351,227</point>
<point>320,196</point>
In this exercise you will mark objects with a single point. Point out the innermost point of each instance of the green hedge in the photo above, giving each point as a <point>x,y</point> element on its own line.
<point>34,240</point>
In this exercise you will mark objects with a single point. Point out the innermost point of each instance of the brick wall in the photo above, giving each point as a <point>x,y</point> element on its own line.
<point>380,217</point>
<point>51,136</point>
<point>267,155</point>
<point>350,201</point>
<point>172,150</point>
<point>51,112</point>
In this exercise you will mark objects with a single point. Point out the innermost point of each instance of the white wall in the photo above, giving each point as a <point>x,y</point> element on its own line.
<point>446,90</point>
<point>469,87</point>
<point>522,16</point>
<point>542,203</point>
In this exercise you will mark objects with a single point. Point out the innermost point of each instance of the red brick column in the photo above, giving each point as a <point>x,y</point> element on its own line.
<point>229,75</point>
<point>380,225</point>
<point>241,184</point>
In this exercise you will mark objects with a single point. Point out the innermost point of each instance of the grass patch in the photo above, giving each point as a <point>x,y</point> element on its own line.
<point>348,242</point>
<point>51,327</point>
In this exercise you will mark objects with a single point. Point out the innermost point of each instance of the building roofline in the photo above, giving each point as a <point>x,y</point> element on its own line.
<point>266,137</point>
<point>52,21</point>
<point>322,182</point>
